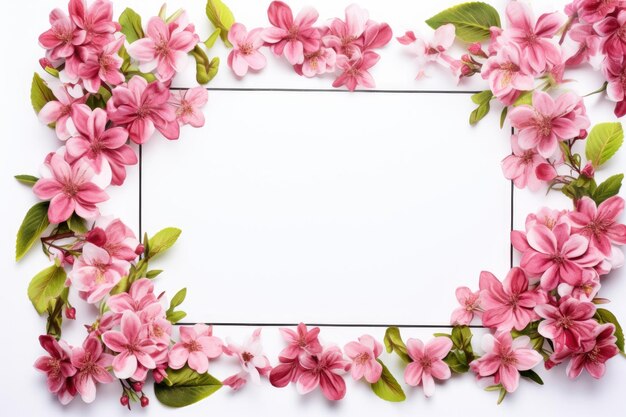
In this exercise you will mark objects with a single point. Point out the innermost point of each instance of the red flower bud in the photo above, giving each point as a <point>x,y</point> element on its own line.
<point>588,171</point>
<point>475,49</point>
<point>70,313</point>
<point>124,400</point>
<point>45,63</point>
<point>137,386</point>
<point>97,236</point>
<point>144,401</point>
<point>582,134</point>
<point>466,70</point>
<point>466,58</point>
<point>139,249</point>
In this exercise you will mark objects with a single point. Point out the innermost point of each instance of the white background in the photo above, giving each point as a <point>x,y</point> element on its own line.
<point>429,119</point>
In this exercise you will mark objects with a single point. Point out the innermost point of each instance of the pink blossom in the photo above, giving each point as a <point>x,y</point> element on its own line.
<point>345,37</point>
<point>504,358</point>
<point>548,121</point>
<point>245,53</point>
<point>319,62</point>
<point>354,72</point>
<point>61,39</point>
<point>289,370</point>
<point>164,48</point>
<point>251,358</point>
<point>611,29</point>
<point>505,75</point>
<point>585,290</point>
<point>325,371</point>
<point>141,108</point>
<point>291,37</point>
<point>197,345</point>
<point>615,73</point>
<point>300,341</point>
<point>95,273</point>
<point>588,43</point>
<point>592,11</point>
<point>427,363</point>
<point>59,111</point>
<point>521,166</point>
<point>363,355</point>
<point>509,304</point>
<point>188,105</point>
<point>570,324</point>
<point>91,364</point>
<point>602,348</point>
<point>69,189</point>
<point>138,298</point>
<point>96,21</point>
<point>58,368</point>
<point>470,305</point>
<point>116,238</point>
<point>599,223</point>
<point>102,66</point>
<point>376,35</point>
<point>433,51</point>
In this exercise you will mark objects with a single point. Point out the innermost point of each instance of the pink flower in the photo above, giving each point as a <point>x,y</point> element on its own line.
<point>533,39</point>
<point>346,37</point>
<point>363,355</point>
<point>302,341</point>
<point>376,35</point>
<point>142,107</point>
<point>103,65</point>
<point>615,73</point>
<point>570,324</point>
<point>433,51</point>
<point>197,345</point>
<point>611,29</point>
<point>319,62</point>
<point>69,190</point>
<point>548,121</point>
<point>116,238</point>
<point>470,305</point>
<point>97,145</point>
<point>521,167</point>
<point>251,358</point>
<point>325,371</point>
<point>291,37</point>
<point>505,75</point>
<point>138,298</point>
<point>164,48</point>
<point>95,273</point>
<point>96,21</point>
<point>59,111</point>
<point>60,40</point>
<point>58,368</point>
<point>287,371</point>
<point>427,363</point>
<point>510,304</point>
<point>188,105</point>
<point>599,223</point>
<point>504,358</point>
<point>91,364</point>
<point>354,72</point>
<point>602,348</point>
<point>245,53</point>
<point>592,11</point>
<point>133,346</point>
<point>585,290</point>
<point>588,43</point>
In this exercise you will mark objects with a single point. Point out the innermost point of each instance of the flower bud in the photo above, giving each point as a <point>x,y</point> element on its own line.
<point>588,171</point>
<point>139,249</point>
<point>97,236</point>
<point>582,134</point>
<point>466,58</point>
<point>545,172</point>
<point>475,48</point>
<point>137,386</point>
<point>144,401</point>
<point>45,63</point>
<point>124,400</point>
<point>70,313</point>
<point>466,70</point>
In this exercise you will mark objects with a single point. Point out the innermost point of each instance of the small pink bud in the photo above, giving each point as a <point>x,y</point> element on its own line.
<point>137,386</point>
<point>70,313</point>
<point>545,172</point>
<point>97,236</point>
<point>68,259</point>
<point>144,401</point>
<point>124,400</point>
<point>466,70</point>
<point>159,375</point>
<point>139,249</point>
<point>582,134</point>
<point>588,171</point>
<point>45,63</point>
<point>466,58</point>
<point>549,364</point>
<point>475,48</point>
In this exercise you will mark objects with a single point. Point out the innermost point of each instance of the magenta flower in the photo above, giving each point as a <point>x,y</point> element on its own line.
<point>569,325</point>
<point>509,304</point>
<point>470,304</point>
<point>102,66</point>
<point>69,189</point>
<point>141,108</point>
<point>291,37</point>
<point>188,105</point>
<point>505,75</point>
<point>588,43</point>
<point>96,21</point>
<point>427,363</point>
<point>521,166</point>
<point>599,223</point>
<point>164,48</point>
<point>287,371</point>
<point>133,346</point>
<point>363,355</point>
<point>245,53</point>
<point>594,360</point>
<point>59,111</point>
<point>345,37</point>
<point>251,358</point>
<point>91,364</point>
<point>95,273</point>
<point>354,72</point>
<point>594,10</point>
<point>197,345</point>
<point>325,371</point>
<point>548,121</point>
<point>504,358</point>
<point>61,39</point>
<point>98,145</point>
<point>301,341</point>
<point>58,368</point>
<point>585,290</point>
<point>612,29</point>
<point>615,73</point>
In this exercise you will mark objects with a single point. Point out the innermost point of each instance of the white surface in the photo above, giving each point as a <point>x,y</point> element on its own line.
<point>22,389</point>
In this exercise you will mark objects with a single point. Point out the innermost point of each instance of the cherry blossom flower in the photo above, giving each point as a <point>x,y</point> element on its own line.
<point>291,37</point>
<point>615,73</point>
<point>197,345</point>
<point>611,29</point>
<point>300,341</point>
<point>96,21</point>
<point>521,166</point>
<point>91,364</point>
<point>69,189</point>
<point>251,358</point>
<point>139,297</point>
<point>504,358</point>
<point>363,355</point>
<point>594,360</point>
<point>188,105</point>
<point>345,37</point>
<point>95,273</point>
<point>288,370</point>
<point>102,66</point>
<point>58,368</point>
<point>433,51</point>
<point>505,75</point>
<point>245,53</point>
<point>116,238</point>
<point>354,72</point>
<point>570,324</point>
<point>585,290</point>
<point>319,62</point>
<point>427,363</point>
<point>599,223</point>
<point>59,111</point>
<point>588,44</point>
<point>324,370</point>
<point>61,39</point>
<point>141,108</point>
<point>470,305</point>
<point>592,11</point>
<point>546,217</point>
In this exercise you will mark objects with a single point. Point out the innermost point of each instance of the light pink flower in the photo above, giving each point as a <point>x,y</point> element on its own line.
<point>61,39</point>
<point>141,108</point>
<point>197,345</point>
<point>58,368</point>
<point>505,75</point>
<point>570,324</point>
<point>354,72</point>
<point>588,43</point>
<point>427,363</point>
<point>602,348</point>
<point>324,370</point>
<point>363,355</point>
<point>585,290</point>
<point>59,111</point>
<point>345,37</point>
<point>91,364</point>
<point>164,48</point>
<point>470,305</point>
<point>188,105</point>
<point>430,51</point>
<point>548,121</point>
<point>291,37</point>
<point>504,358</point>
<point>509,304</point>
<point>69,189</point>
<point>615,74</point>
<point>301,341</point>
<point>102,66</point>
<point>96,21</point>
<point>599,223</point>
<point>245,53</point>
<point>376,35</point>
<point>95,273</point>
<point>251,358</point>
<point>319,62</point>
<point>139,297</point>
<point>521,166</point>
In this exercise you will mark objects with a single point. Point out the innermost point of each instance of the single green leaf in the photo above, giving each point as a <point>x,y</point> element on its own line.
<point>503,116</point>
<point>532,375</point>
<point>153,273</point>
<point>479,113</point>
<point>27,179</point>
<point>525,98</point>
<point>77,224</point>
<point>462,338</point>
<point>40,93</point>
<point>178,298</point>
<point>387,386</point>
<point>122,286</point>
<point>393,343</point>
<point>221,17</point>
<point>33,225</point>
<point>457,361</point>
<point>607,189</point>
<point>471,21</point>
<point>52,71</point>
<point>131,25</point>
<point>162,241</point>
<point>605,316</point>
<point>205,69</point>
<point>211,39</point>
<point>175,316</point>
<point>45,286</point>
<point>482,97</point>
<point>503,393</point>
<point>184,386</point>
<point>603,141</point>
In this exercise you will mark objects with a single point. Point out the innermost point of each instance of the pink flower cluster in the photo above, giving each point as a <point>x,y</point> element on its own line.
<point>344,47</point>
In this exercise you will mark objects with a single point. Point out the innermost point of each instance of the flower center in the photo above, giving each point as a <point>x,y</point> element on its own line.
<point>508,358</point>
<point>426,363</point>
<point>246,48</point>
<point>544,125</point>
<point>362,358</point>
<point>247,356</point>
<point>70,189</point>
<point>564,322</point>
<point>593,354</point>
<point>106,62</point>
<point>63,33</point>
<point>193,346</point>
<point>162,48</point>
<point>597,228</point>
<point>55,367</point>
<point>530,38</point>
<point>293,33</point>
<point>185,109</point>
<point>527,157</point>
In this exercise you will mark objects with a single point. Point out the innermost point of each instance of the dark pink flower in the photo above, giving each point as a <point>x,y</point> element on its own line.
<point>470,305</point>
<point>117,239</point>
<point>91,364</point>
<point>364,354</point>
<point>58,368</point>
<point>60,40</point>
<point>324,370</point>
<point>588,43</point>
<point>300,341</point>
<point>138,298</point>
<point>599,223</point>
<point>570,324</point>
<point>354,72</point>
<point>615,73</point>
<point>96,21</point>
<point>592,11</point>
<point>612,30</point>
<point>287,371</point>
<point>585,290</point>
<point>319,62</point>
<point>602,348</point>
<point>427,363</point>
<point>102,66</point>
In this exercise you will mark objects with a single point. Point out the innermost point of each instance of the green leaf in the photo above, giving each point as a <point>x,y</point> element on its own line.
<point>175,316</point>
<point>46,286</point>
<point>605,316</point>
<point>184,386</point>
<point>178,298</point>
<point>205,69</point>
<point>387,386</point>
<point>211,39</point>
<point>221,17</point>
<point>33,225</point>
<point>609,188</point>
<point>532,375</point>
<point>122,286</point>
<point>503,116</point>
<point>27,179</point>
<point>479,113</point>
<point>579,188</point>
<point>162,241</point>
<point>472,20</point>
<point>526,98</point>
<point>77,224</point>
<point>393,343</point>
<point>462,338</point>
<point>40,93</point>
<point>153,273</point>
<point>131,25</point>
<point>603,141</point>
<point>482,97</point>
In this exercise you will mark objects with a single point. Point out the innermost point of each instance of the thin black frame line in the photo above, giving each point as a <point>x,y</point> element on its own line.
<point>512,211</point>
<point>327,90</point>
<point>140,192</point>
<point>376,325</point>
